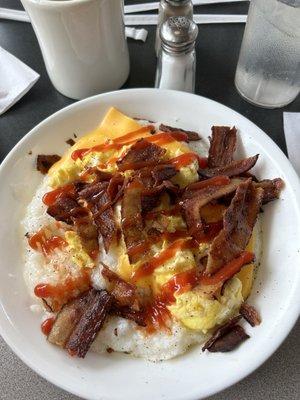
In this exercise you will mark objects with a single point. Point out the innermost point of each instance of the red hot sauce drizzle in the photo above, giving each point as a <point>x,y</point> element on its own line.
<point>46,326</point>
<point>114,144</point>
<point>130,138</point>
<point>186,159</point>
<point>148,267</point>
<point>50,197</point>
<point>61,293</point>
<point>157,315</point>
<point>146,244</point>
<point>40,242</point>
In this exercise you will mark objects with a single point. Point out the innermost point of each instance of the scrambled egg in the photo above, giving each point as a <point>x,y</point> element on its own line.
<point>183,261</point>
<point>197,311</point>
<point>79,255</point>
<point>194,309</point>
<point>186,175</point>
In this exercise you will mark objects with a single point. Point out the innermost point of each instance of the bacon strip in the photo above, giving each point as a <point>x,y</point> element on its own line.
<point>235,168</point>
<point>99,203</point>
<point>222,146</point>
<point>150,198</point>
<point>272,188</point>
<point>162,173</point>
<point>238,222</point>
<point>140,155</point>
<point>250,314</point>
<point>131,212</point>
<point>44,162</point>
<point>65,208</point>
<point>88,233</point>
<point>105,221</point>
<point>116,187</point>
<point>129,313</point>
<point>125,294</point>
<point>89,324</point>
<point>67,319</point>
<point>197,199</point>
<point>221,331</point>
<point>92,191</point>
<point>191,135</point>
<point>230,340</point>
<point>153,176</point>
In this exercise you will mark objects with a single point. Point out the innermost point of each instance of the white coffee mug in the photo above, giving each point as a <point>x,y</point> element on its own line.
<point>83,44</point>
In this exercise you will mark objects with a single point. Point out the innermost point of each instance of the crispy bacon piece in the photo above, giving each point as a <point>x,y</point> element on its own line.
<point>230,340</point>
<point>162,173</point>
<point>126,302</point>
<point>222,146</point>
<point>140,155</point>
<point>191,135</point>
<point>150,198</point>
<point>70,142</point>
<point>221,331</point>
<point>105,221</point>
<point>92,191</point>
<point>235,168</point>
<point>238,223</point>
<point>129,313</point>
<point>88,233</point>
<point>272,188</point>
<point>67,319</point>
<point>250,314</point>
<point>125,294</point>
<point>115,188</point>
<point>66,208</point>
<point>100,176</point>
<point>194,200</point>
<point>131,212</point>
<point>44,162</point>
<point>154,176</point>
<point>90,323</point>
<point>100,204</point>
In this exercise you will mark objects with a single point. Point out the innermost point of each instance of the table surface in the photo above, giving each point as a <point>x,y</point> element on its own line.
<point>217,53</point>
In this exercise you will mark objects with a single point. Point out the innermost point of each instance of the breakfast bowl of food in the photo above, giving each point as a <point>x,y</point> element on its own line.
<point>151,239</point>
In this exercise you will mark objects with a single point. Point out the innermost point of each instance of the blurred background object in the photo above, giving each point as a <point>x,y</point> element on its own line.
<point>83,44</point>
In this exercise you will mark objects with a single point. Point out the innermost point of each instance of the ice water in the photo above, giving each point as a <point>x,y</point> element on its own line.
<point>268,71</point>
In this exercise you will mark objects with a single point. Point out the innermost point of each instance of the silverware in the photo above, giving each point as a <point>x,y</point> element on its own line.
<point>154,5</point>
<point>151,19</point>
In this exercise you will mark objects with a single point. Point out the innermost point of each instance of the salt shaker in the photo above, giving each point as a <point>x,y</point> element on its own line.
<point>171,8</point>
<point>176,65</point>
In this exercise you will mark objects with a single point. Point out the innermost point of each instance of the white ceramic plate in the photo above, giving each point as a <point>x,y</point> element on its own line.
<point>194,375</point>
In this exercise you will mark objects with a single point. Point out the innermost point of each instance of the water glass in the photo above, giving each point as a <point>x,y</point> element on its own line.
<point>268,70</point>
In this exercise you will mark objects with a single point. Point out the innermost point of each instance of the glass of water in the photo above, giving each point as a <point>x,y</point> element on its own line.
<point>268,70</point>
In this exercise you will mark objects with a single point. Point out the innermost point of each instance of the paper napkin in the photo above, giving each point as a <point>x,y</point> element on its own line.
<point>291,123</point>
<point>136,34</point>
<point>16,79</point>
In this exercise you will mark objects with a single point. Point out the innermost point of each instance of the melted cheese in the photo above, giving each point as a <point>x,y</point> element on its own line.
<point>114,124</point>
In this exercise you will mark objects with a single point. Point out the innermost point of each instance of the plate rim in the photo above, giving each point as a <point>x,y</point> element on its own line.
<point>293,179</point>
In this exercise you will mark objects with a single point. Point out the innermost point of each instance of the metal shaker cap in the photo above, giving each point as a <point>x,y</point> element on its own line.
<point>178,34</point>
<point>177,2</point>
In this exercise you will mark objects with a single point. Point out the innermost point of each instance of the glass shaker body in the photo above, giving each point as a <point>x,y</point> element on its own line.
<point>176,71</point>
<point>268,70</point>
<point>169,8</point>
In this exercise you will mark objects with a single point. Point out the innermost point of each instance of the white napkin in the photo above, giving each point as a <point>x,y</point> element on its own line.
<point>291,123</point>
<point>16,79</point>
<point>136,34</point>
